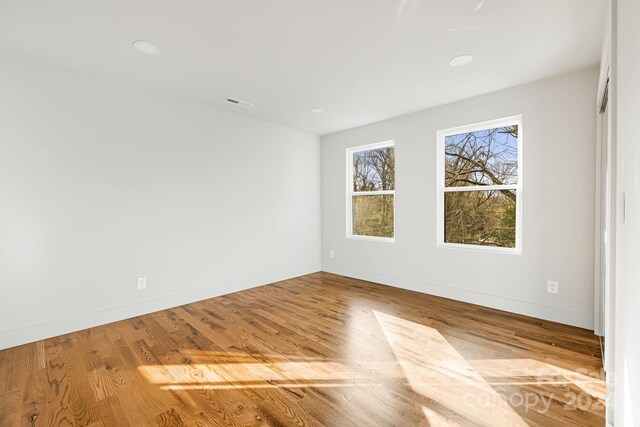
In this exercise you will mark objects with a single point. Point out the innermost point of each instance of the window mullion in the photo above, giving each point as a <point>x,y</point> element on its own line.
<point>372,193</point>
<point>481,188</point>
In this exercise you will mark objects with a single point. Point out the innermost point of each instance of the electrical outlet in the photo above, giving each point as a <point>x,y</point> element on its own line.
<point>142,283</point>
<point>552,287</point>
<point>332,254</point>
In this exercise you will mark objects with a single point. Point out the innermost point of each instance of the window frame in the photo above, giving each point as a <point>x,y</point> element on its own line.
<point>440,158</point>
<point>350,151</point>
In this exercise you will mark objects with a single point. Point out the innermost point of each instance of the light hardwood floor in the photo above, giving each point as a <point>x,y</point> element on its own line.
<point>316,350</point>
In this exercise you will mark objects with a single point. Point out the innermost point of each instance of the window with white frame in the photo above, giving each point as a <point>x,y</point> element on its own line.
<point>371,191</point>
<point>480,186</point>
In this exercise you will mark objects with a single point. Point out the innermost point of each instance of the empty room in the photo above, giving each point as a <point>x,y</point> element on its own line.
<point>319,213</point>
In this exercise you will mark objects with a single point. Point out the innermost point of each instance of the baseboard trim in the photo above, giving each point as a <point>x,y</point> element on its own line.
<point>540,311</point>
<point>38,331</point>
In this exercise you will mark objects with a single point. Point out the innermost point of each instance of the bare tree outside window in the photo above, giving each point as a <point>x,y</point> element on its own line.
<point>373,191</point>
<point>473,160</point>
<point>374,170</point>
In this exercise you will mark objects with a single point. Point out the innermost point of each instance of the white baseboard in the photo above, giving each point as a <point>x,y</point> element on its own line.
<point>61,326</point>
<point>540,311</point>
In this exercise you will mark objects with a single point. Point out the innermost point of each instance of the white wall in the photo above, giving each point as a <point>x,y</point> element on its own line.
<point>558,196</point>
<point>626,115</point>
<point>101,183</point>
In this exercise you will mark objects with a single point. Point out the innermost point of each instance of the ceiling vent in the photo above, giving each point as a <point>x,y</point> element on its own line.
<point>239,103</point>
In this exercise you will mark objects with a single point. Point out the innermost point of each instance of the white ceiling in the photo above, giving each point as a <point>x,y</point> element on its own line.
<point>360,60</point>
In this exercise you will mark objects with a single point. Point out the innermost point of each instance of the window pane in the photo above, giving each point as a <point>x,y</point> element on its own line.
<point>485,218</point>
<point>484,157</point>
<point>374,170</point>
<point>373,215</point>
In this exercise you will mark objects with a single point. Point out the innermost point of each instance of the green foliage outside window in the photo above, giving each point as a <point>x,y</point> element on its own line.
<point>475,159</point>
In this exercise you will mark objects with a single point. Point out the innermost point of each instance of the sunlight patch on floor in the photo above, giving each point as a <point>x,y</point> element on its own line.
<point>436,419</point>
<point>229,356</point>
<point>436,370</point>
<point>269,374</point>
<point>534,372</point>
<point>266,384</point>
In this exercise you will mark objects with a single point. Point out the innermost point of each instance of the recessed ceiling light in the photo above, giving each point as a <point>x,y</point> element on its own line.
<point>461,60</point>
<point>145,47</point>
<point>317,110</point>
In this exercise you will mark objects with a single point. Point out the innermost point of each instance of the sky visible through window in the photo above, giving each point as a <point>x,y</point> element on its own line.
<point>374,170</point>
<point>484,157</point>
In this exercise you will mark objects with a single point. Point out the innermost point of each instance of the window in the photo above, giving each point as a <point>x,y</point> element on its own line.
<point>480,186</point>
<point>371,192</point>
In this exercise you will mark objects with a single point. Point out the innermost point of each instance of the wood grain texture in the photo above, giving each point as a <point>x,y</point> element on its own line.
<point>318,350</point>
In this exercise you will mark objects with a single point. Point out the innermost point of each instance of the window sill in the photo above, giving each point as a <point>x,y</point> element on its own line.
<point>373,238</point>
<point>475,248</point>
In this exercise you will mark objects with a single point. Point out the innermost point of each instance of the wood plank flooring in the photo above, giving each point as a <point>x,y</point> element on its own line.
<point>317,350</point>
